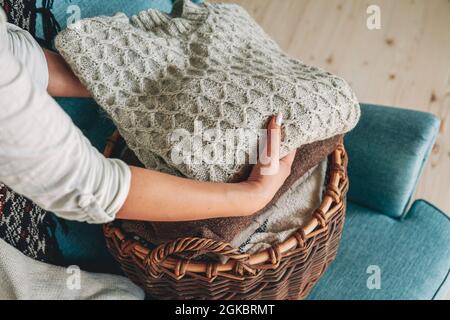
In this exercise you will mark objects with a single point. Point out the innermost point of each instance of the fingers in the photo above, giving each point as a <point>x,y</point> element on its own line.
<point>274,136</point>
<point>270,157</point>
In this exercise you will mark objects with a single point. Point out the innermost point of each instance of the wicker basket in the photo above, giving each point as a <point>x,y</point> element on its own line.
<point>287,270</point>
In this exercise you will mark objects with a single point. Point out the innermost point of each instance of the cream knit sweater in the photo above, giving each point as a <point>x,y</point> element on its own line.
<point>212,63</point>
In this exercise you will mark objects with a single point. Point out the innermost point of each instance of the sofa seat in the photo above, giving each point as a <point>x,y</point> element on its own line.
<point>413,256</point>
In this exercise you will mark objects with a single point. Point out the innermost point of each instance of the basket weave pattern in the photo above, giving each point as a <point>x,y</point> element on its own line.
<point>287,270</point>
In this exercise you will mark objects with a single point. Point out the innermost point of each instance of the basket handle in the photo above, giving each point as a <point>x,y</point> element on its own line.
<point>158,255</point>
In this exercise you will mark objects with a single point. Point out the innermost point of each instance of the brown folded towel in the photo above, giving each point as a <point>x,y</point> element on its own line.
<point>225,229</point>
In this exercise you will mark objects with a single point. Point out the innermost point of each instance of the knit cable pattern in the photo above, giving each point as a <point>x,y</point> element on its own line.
<point>154,73</point>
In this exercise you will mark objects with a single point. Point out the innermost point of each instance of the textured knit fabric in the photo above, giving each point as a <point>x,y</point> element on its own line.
<point>228,229</point>
<point>25,278</point>
<point>44,157</point>
<point>27,227</point>
<point>210,63</point>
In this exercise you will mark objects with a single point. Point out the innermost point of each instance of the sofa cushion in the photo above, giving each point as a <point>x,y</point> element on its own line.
<point>412,255</point>
<point>88,116</point>
<point>387,151</point>
<point>84,245</point>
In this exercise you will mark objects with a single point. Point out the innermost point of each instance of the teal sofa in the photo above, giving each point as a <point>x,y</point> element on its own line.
<point>390,249</point>
<point>406,246</point>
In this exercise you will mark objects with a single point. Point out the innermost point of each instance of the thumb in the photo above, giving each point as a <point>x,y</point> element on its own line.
<point>270,157</point>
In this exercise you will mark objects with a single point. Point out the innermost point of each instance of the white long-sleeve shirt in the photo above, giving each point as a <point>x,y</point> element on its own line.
<point>44,156</point>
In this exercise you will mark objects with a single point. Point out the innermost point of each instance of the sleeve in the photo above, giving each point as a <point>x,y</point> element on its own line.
<point>23,46</point>
<point>46,158</point>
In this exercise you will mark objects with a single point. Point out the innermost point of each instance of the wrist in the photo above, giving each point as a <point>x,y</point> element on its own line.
<point>247,198</point>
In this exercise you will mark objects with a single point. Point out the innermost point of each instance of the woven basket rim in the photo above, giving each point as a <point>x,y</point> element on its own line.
<point>160,258</point>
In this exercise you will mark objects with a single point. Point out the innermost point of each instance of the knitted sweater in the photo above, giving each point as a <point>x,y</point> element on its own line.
<point>211,63</point>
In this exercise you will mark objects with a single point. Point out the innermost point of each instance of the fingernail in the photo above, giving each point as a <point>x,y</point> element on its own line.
<point>279,119</point>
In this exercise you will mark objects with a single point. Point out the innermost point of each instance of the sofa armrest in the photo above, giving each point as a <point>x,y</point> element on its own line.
<point>387,152</point>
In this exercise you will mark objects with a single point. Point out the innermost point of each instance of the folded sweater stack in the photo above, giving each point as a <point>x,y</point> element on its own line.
<point>230,229</point>
<point>155,74</point>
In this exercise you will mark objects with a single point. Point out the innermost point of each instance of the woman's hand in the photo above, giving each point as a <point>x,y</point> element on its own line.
<point>270,173</point>
<point>155,196</point>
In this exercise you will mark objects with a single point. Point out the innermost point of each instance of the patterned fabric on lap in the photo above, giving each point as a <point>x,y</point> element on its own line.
<point>27,227</point>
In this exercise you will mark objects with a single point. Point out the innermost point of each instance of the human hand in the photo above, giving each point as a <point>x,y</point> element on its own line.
<point>269,174</point>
